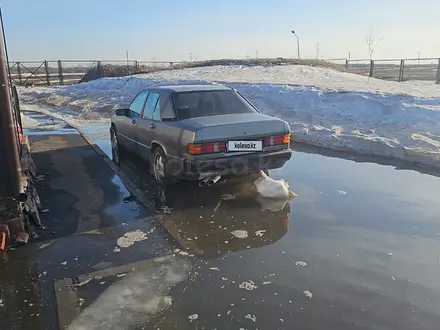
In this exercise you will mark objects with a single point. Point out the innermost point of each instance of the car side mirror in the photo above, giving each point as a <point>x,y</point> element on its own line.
<point>122,112</point>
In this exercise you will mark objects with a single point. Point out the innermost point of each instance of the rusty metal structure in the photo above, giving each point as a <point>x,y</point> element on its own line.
<point>19,201</point>
<point>8,128</point>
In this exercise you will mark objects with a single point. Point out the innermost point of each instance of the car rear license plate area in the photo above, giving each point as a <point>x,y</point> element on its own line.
<point>244,146</point>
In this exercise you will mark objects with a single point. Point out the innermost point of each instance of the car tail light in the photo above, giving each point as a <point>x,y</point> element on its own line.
<point>205,148</point>
<point>276,140</point>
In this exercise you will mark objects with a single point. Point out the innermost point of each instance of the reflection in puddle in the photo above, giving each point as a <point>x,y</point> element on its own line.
<point>204,221</point>
<point>38,124</point>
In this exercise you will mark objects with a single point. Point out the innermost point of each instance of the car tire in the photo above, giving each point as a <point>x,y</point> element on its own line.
<point>116,148</point>
<point>158,167</point>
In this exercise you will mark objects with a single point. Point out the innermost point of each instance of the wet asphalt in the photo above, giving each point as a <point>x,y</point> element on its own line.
<point>357,249</point>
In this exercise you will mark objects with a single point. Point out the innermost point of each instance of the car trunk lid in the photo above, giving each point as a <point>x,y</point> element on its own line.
<point>235,127</point>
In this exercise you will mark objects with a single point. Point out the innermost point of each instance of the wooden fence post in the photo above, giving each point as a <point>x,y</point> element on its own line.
<point>20,81</point>
<point>437,79</point>
<point>402,68</point>
<point>46,68</point>
<point>60,72</point>
<point>371,68</point>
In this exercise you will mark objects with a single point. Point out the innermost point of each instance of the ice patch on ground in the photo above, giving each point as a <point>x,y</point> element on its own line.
<point>260,233</point>
<point>130,238</point>
<point>271,188</point>
<point>247,285</point>
<point>28,122</point>
<point>133,299</point>
<point>308,294</point>
<point>253,318</point>
<point>240,233</point>
<point>323,107</point>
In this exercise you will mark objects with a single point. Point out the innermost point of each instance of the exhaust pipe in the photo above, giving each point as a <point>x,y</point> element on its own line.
<point>209,180</point>
<point>204,182</point>
<point>213,180</point>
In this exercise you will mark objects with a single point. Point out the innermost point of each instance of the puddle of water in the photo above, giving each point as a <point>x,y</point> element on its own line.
<point>361,250</point>
<point>202,221</point>
<point>100,133</point>
<point>46,125</point>
<point>125,208</point>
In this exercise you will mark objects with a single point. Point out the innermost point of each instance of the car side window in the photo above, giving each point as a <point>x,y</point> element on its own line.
<point>166,107</point>
<point>137,104</point>
<point>150,106</point>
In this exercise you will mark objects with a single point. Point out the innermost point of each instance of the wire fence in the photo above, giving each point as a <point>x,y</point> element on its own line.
<point>427,69</point>
<point>65,72</point>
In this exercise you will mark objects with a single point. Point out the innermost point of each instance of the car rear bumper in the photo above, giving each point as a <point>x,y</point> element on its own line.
<point>235,165</point>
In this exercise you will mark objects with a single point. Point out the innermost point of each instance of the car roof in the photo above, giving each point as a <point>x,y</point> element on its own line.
<point>191,88</point>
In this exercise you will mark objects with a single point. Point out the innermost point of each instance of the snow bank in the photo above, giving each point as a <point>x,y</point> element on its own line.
<point>28,122</point>
<point>323,107</point>
<point>270,188</point>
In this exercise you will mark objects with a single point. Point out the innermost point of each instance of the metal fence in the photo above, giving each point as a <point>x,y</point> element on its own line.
<point>65,72</point>
<point>394,69</point>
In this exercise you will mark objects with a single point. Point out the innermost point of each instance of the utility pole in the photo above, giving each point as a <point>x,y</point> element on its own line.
<point>190,57</point>
<point>418,61</point>
<point>317,50</point>
<point>349,56</point>
<point>256,53</point>
<point>126,55</point>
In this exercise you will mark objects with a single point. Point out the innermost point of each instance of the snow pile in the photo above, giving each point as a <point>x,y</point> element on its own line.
<point>324,107</point>
<point>271,188</point>
<point>28,122</point>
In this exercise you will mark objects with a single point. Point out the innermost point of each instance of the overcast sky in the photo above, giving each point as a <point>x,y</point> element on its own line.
<point>172,29</point>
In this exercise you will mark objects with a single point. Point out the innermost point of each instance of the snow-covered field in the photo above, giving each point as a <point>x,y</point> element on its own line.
<point>323,107</point>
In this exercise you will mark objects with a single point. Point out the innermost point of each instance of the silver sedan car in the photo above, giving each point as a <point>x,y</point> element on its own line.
<point>199,132</point>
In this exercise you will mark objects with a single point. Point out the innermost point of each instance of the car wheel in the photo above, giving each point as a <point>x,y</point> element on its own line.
<point>115,146</point>
<point>158,167</point>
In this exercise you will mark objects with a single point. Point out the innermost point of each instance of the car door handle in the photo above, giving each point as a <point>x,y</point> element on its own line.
<point>153,126</point>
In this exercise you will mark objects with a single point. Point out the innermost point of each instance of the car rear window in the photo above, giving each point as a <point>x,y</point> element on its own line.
<point>209,103</point>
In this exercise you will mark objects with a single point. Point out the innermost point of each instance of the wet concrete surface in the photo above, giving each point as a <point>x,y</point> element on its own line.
<point>86,209</point>
<point>357,249</point>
